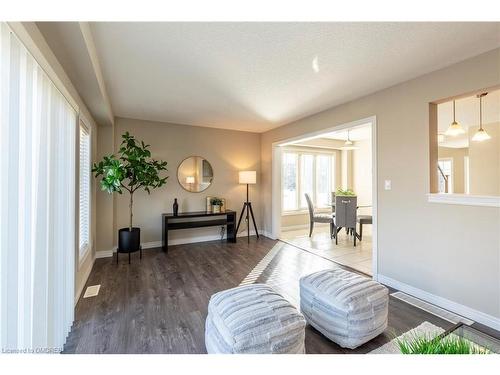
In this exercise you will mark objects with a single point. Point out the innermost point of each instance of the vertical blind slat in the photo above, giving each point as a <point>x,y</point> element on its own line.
<point>37,231</point>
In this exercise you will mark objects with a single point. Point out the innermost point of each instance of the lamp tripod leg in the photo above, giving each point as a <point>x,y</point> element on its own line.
<point>248,222</point>
<point>241,217</point>
<point>253,219</point>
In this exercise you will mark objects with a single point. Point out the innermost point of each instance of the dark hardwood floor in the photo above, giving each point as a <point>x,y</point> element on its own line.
<point>159,304</point>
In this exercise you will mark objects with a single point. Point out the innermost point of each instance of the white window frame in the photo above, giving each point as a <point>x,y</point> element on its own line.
<point>84,249</point>
<point>320,206</point>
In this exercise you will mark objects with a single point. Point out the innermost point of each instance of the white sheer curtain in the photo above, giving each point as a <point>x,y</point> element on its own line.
<point>37,204</point>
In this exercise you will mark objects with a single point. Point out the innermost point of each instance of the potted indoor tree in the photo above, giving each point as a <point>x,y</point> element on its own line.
<point>131,169</point>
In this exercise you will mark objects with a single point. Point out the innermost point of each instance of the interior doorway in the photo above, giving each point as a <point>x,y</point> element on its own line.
<point>326,165</point>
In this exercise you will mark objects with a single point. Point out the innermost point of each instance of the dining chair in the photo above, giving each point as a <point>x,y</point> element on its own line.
<point>345,215</point>
<point>363,219</point>
<point>320,218</point>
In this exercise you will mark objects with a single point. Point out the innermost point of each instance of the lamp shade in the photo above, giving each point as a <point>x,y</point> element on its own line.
<point>481,135</point>
<point>454,129</point>
<point>190,180</point>
<point>248,177</point>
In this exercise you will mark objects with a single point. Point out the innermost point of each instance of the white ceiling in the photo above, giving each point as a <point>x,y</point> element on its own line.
<point>467,115</point>
<point>257,76</point>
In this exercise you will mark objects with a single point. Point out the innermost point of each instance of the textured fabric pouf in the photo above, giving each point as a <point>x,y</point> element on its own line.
<point>347,308</point>
<point>253,319</point>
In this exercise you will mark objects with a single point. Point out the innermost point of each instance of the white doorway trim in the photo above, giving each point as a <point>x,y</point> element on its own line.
<point>276,181</point>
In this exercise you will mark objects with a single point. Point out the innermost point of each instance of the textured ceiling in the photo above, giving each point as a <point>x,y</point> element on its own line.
<point>257,76</point>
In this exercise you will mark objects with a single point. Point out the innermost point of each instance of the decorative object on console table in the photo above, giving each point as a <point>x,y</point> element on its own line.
<point>247,177</point>
<point>132,169</point>
<point>216,205</point>
<point>175,207</point>
<point>209,204</point>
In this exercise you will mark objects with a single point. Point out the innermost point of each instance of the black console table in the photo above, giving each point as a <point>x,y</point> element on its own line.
<point>171,222</point>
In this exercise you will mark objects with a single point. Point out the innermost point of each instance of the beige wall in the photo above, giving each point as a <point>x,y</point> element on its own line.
<point>457,155</point>
<point>484,162</point>
<point>105,236</point>
<point>449,251</point>
<point>362,174</point>
<point>346,172</point>
<point>227,151</point>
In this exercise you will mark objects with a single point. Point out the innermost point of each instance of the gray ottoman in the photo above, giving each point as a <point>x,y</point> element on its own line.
<point>347,308</point>
<point>253,319</point>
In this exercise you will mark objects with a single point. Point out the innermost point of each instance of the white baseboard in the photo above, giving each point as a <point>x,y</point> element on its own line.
<point>267,234</point>
<point>104,253</point>
<point>302,226</point>
<point>178,241</point>
<point>85,278</point>
<point>294,227</point>
<point>457,308</point>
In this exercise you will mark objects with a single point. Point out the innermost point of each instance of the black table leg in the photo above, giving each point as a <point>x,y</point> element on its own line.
<point>231,233</point>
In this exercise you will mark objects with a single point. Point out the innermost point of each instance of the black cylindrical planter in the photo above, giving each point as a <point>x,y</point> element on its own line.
<point>129,241</point>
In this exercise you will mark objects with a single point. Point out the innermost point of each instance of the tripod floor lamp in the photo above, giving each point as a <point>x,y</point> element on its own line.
<point>247,177</point>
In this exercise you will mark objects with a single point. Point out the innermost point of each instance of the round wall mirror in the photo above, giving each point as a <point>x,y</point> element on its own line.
<point>195,174</point>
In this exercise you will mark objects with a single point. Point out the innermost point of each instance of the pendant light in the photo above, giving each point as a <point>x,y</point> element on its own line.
<point>481,134</point>
<point>455,128</point>
<point>348,145</point>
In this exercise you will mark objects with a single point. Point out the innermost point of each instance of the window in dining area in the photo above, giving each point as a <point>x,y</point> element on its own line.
<point>306,172</point>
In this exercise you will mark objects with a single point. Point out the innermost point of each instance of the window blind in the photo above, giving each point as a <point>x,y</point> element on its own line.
<point>84,236</point>
<point>37,204</point>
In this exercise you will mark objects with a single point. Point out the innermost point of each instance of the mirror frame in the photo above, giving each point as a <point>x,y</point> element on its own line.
<point>195,156</point>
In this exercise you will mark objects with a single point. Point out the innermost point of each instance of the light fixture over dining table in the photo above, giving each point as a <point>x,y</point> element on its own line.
<point>481,134</point>
<point>455,128</point>
<point>348,144</point>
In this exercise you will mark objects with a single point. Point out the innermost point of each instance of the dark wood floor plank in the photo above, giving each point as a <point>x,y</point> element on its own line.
<point>159,304</point>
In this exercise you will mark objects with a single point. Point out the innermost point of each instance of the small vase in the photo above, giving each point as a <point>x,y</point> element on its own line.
<point>215,209</point>
<point>176,207</point>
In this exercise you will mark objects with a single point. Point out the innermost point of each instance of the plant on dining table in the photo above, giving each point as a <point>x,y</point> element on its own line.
<point>345,192</point>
